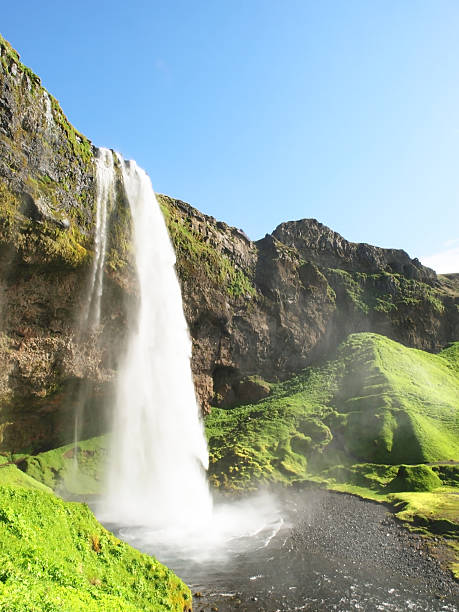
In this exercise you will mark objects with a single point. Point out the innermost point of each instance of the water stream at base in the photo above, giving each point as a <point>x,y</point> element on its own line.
<point>322,551</point>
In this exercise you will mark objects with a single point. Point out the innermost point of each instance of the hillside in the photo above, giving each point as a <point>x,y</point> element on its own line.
<point>325,362</point>
<point>374,401</point>
<point>55,556</point>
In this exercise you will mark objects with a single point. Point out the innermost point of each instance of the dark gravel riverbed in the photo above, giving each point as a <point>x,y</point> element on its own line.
<point>336,552</point>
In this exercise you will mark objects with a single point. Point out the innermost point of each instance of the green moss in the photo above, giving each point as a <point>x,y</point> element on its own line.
<point>55,556</point>
<point>80,145</point>
<point>451,354</point>
<point>44,240</point>
<point>414,478</point>
<point>119,248</point>
<point>352,288</point>
<point>384,292</point>
<point>47,241</point>
<point>12,475</point>
<point>8,53</point>
<point>61,469</point>
<point>197,258</point>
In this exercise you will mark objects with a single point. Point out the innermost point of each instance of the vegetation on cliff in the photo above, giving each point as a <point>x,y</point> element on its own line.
<point>46,171</point>
<point>196,257</point>
<point>55,556</point>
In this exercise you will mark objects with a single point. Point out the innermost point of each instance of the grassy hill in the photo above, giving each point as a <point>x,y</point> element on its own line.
<point>55,556</point>
<point>375,401</point>
<point>368,421</point>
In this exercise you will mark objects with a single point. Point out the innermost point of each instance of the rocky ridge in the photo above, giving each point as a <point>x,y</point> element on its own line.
<point>299,292</point>
<point>256,310</point>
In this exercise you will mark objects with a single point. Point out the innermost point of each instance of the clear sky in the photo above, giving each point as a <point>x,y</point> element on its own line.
<point>262,111</point>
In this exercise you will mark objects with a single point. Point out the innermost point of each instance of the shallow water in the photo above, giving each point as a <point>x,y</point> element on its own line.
<point>312,551</point>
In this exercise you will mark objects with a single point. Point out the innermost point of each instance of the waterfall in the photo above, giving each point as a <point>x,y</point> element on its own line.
<point>156,471</point>
<point>90,316</point>
<point>105,180</point>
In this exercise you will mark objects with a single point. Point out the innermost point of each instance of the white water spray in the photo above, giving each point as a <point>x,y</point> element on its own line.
<point>157,466</point>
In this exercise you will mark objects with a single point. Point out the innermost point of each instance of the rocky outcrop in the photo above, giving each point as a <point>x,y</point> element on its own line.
<point>256,310</point>
<point>275,306</point>
<point>50,367</point>
<point>316,242</point>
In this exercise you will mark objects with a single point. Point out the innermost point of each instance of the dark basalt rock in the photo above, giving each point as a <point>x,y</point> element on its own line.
<point>318,243</point>
<point>310,289</point>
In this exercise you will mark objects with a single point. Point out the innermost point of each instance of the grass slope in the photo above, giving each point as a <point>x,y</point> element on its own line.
<point>13,476</point>
<point>55,556</point>
<point>376,401</point>
<point>57,468</point>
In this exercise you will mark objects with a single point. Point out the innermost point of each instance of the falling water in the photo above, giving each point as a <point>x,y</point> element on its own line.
<point>157,466</point>
<point>105,179</point>
<point>157,494</point>
<point>90,317</point>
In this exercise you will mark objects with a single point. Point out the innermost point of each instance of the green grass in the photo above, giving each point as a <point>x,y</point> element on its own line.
<point>11,475</point>
<point>363,423</point>
<point>55,556</point>
<point>57,468</point>
<point>376,401</point>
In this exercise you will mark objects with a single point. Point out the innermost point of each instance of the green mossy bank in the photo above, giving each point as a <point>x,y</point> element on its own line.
<point>70,471</point>
<point>55,556</point>
<point>375,401</point>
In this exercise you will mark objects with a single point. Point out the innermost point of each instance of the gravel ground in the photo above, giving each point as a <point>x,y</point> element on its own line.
<point>342,553</point>
<point>367,534</point>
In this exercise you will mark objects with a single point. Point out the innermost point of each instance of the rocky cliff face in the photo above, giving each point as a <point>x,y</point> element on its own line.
<point>269,308</point>
<point>50,366</point>
<point>256,310</point>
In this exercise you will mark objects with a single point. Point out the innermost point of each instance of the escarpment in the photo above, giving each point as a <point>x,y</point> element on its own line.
<point>269,308</point>
<point>256,310</point>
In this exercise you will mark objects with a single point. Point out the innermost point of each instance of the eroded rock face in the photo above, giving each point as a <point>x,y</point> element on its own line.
<point>50,367</point>
<point>318,243</point>
<point>298,298</point>
<point>256,310</point>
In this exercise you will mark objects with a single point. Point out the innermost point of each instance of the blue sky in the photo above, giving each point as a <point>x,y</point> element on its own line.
<point>261,111</point>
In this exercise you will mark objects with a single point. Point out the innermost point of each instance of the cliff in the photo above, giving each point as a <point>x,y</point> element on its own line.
<point>256,310</point>
<point>272,307</point>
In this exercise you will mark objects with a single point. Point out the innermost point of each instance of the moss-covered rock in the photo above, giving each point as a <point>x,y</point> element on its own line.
<point>414,478</point>
<point>70,470</point>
